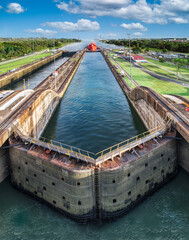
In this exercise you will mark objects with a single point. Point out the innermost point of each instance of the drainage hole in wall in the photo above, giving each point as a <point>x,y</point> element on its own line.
<point>53,183</point>
<point>128,174</point>
<point>113,181</point>
<point>44,188</point>
<point>168,159</point>
<point>146,164</point>
<point>19,167</point>
<point>35,175</point>
<point>54,202</point>
<point>138,196</point>
<point>154,168</point>
<point>62,179</point>
<point>147,181</point>
<point>27,180</point>
<point>129,193</point>
<point>162,171</point>
<point>63,198</point>
<point>78,184</point>
<point>114,201</point>
<point>79,202</point>
<point>138,178</point>
<point>161,155</point>
<point>43,170</point>
<point>26,163</point>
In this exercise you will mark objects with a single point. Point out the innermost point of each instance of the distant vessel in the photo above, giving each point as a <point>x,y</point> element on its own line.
<point>92,47</point>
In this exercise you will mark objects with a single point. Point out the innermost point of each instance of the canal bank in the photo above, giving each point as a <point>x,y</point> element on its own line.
<point>38,76</point>
<point>14,76</point>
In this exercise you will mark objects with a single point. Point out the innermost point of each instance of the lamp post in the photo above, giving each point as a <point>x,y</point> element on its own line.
<point>130,57</point>
<point>33,50</point>
<point>55,73</point>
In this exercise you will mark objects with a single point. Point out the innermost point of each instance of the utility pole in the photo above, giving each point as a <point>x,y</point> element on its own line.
<point>54,55</point>
<point>130,57</point>
<point>55,74</point>
<point>24,87</point>
<point>33,49</point>
<point>28,83</point>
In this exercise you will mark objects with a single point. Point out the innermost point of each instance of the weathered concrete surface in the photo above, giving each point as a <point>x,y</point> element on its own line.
<point>4,164</point>
<point>12,77</point>
<point>183,154</point>
<point>62,183</point>
<point>135,177</point>
<point>84,192</point>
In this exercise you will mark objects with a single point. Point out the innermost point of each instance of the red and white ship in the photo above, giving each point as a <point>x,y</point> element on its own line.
<point>92,47</point>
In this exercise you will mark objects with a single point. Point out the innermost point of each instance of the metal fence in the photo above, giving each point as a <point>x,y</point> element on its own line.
<point>103,155</point>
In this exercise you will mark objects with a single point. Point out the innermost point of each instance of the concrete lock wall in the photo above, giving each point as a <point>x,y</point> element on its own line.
<point>50,180</point>
<point>148,114</point>
<point>34,119</point>
<point>183,154</point>
<point>10,78</point>
<point>4,164</point>
<point>123,187</point>
<point>72,189</point>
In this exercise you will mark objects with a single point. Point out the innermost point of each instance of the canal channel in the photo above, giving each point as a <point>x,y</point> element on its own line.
<point>94,119</point>
<point>94,113</point>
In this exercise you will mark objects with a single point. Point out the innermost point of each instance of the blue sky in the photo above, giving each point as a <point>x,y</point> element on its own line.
<point>91,19</point>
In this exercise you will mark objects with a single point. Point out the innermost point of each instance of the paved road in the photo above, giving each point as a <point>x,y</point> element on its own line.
<point>159,76</point>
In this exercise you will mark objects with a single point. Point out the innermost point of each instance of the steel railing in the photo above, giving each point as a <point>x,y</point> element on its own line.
<point>103,155</point>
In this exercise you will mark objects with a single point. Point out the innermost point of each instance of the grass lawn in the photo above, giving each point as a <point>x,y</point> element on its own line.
<point>20,62</point>
<point>160,86</point>
<point>183,71</point>
<point>158,70</point>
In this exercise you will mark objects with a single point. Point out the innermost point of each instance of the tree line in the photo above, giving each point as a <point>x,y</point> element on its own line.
<point>146,44</point>
<point>10,48</point>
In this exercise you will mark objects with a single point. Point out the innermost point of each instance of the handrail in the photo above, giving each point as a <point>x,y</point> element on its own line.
<point>103,155</point>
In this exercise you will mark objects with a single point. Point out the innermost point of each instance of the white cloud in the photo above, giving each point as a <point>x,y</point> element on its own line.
<point>175,5</point>
<point>157,12</point>
<point>179,20</point>
<point>134,26</point>
<point>138,34</point>
<point>15,8</point>
<point>1,7</point>
<point>82,25</point>
<point>42,32</point>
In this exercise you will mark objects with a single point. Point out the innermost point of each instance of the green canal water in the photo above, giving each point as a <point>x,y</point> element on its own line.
<point>95,114</point>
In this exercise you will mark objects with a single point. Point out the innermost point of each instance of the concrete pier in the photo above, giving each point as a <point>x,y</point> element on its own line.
<point>85,192</point>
